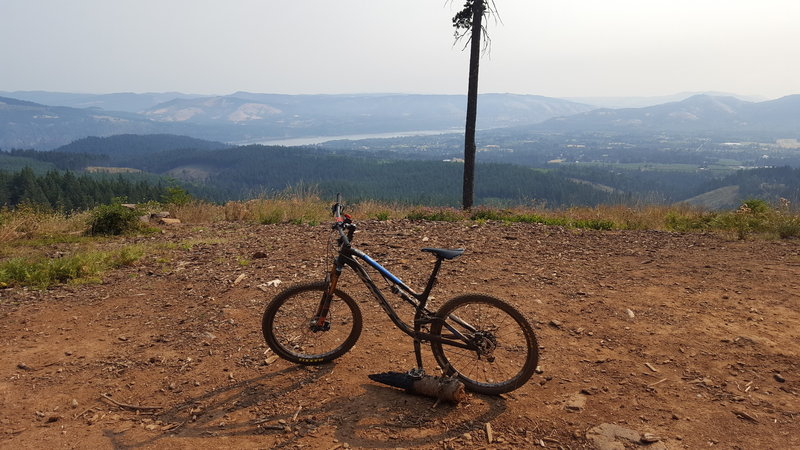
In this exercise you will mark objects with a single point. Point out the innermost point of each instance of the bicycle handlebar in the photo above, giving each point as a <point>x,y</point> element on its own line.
<point>342,223</point>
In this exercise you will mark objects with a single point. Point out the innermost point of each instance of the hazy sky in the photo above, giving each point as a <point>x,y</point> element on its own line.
<point>559,48</point>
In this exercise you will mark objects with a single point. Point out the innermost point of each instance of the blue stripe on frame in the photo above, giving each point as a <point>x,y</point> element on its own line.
<point>385,272</point>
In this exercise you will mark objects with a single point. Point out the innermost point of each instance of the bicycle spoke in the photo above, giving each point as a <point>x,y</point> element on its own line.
<point>503,353</point>
<point>294,333</point>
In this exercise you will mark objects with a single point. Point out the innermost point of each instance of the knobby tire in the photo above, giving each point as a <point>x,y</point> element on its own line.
<point>514,355</point>
<point>286,325</point>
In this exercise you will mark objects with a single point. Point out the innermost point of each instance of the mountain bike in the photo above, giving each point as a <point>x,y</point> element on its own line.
<point>483,341</point>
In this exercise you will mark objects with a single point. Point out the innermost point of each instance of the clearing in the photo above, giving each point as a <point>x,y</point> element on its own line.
<point>687,340</point>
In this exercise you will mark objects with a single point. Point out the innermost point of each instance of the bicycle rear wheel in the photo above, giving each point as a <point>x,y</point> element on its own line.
<point>289,328</point>
<point>505,351</point>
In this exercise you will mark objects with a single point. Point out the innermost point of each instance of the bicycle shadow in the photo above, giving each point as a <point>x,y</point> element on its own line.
<point>386,417</point>
<point>378,417</point>
<point>223,402</point>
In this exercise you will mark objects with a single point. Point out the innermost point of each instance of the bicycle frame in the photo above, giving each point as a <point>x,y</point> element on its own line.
<point>349,256</point>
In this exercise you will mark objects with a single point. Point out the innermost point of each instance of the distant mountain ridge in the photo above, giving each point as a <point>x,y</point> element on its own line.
<point>246,117</point>
<point>643,102</point>
<point>120,101</point>
<point>25,124</point>
<point>251,117</point>
<point>700,113</point>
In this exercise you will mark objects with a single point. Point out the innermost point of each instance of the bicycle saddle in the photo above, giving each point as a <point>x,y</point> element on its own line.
<point>445,253</point>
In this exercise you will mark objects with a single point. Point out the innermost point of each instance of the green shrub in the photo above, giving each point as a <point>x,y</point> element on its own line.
<point>594,224</point>
<point>682,222</point>
<point>751,217</point>
<point>491,214</point>
<point>788,227</point>
<point>382,215</point>
<point>176,195</point>
<point>529,218</point>
<point>755,206</point>
<point>271,216</point>
<point>114,219</point>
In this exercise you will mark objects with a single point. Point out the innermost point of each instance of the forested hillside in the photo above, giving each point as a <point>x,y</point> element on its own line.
<point>127,146</point>
<point>66,191</point>
<point>218,172</point>
<point>249,171</point>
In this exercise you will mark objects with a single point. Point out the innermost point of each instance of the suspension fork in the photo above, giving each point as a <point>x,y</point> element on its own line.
<point>331,280</point>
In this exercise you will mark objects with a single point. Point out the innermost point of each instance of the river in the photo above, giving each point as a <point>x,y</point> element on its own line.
<point>313,140</point>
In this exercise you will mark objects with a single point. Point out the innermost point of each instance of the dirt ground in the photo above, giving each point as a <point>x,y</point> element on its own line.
<point>683,340</point>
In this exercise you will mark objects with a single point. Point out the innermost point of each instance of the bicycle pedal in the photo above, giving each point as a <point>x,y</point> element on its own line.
<point>416,373</point>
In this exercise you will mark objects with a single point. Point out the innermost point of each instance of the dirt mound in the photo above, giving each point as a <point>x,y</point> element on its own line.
<point>647,339</point>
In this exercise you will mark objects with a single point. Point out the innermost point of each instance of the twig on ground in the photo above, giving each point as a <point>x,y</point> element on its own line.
<point>131,407</point>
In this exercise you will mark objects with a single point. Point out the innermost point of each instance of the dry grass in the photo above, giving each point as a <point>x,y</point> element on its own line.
<point>30,223</point>
<point>650,217</point>
<point>302,205</point>
<point>198,212</point>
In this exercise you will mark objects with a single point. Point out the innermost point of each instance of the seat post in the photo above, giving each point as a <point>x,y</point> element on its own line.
<point>418,316</point>
<point>431,280</point>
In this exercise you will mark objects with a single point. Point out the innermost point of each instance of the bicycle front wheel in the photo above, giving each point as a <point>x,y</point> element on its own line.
<point>292,333</point>
<point>504,352</point>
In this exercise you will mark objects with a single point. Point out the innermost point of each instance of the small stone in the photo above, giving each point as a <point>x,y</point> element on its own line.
<point>23,366</point>
<point>467,436</point>
<point>555,323</point>
<point>778,378</point>
<point>259,255</point>
<point>122,338</point>
<point>576,403</point>
<point>271,359</point>
<point>649,438</point>
<point>630,313</point>
<point>73,403</point>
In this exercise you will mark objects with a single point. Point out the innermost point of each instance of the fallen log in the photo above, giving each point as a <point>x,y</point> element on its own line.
<point>447,389</point>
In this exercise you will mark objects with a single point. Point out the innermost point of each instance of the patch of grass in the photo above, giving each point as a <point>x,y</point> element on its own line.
<point>491,214</point>
<point>197,211</point>
<point>594,224</point>
<point>29,222</point>
<point>682,222</point>
<point>437,214</point>
<point>270,216</point>
<point>40,273</point>
<point>382,216</point>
